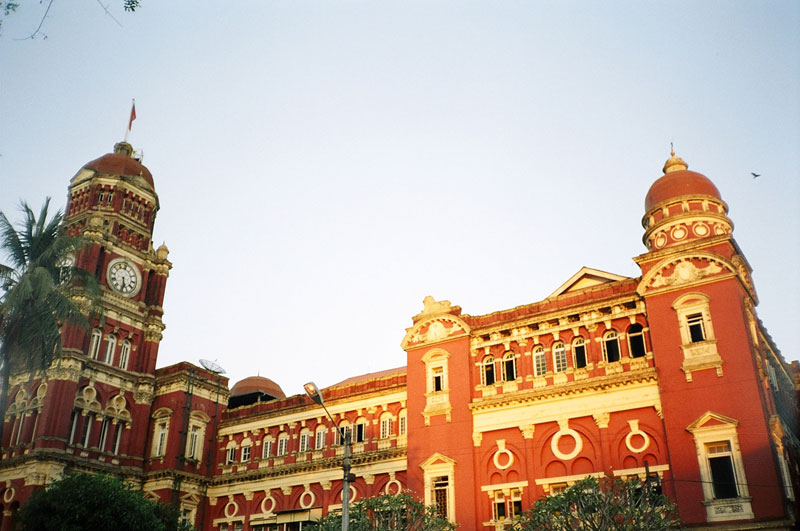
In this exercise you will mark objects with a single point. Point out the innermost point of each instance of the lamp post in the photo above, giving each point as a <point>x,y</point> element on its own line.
<point>313,392</point>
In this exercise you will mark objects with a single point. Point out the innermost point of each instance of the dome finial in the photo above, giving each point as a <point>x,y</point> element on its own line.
<point>674,163</point>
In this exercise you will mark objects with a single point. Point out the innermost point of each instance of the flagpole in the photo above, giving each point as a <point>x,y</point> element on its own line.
<point>131,119</point>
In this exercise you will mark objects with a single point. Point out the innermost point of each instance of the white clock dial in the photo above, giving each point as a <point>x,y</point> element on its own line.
<point>123,277</point>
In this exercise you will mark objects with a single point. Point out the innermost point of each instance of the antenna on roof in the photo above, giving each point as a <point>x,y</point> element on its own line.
<point>212,366</point>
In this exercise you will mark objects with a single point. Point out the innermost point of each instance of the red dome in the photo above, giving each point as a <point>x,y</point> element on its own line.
<point>121,164</point>
<point>253,384</point>
<point>678,181</point>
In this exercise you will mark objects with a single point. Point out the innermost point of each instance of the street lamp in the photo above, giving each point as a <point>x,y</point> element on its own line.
<point>313,392</point>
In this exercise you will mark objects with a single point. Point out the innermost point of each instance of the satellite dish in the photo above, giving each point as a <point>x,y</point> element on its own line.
<point>212,366</point>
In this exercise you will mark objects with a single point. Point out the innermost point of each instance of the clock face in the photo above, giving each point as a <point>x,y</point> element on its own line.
<point>123,277</point>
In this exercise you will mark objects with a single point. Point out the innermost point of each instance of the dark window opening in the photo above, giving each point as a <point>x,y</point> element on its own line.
<point>722,477</point>
<point>697,331</point>
<point>636,341</point>
<point>438,381</point>
<point>488,371</point>
<point>580,353</point>
<point>361,432</point>
<point>509,368</point>
<point>612,347</point>
<point>440,486</point>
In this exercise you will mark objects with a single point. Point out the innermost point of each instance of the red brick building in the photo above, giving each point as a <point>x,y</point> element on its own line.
<point>670,372</point>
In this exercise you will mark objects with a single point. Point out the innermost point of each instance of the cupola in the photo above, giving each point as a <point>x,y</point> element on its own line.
<point>681,206</point>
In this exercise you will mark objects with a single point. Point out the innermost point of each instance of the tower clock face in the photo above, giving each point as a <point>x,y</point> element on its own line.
<point>123,277</point>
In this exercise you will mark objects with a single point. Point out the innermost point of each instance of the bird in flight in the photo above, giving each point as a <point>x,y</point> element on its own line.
<point>754,174</point>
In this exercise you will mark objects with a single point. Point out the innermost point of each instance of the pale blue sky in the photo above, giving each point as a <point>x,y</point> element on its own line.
<point>322,166</point>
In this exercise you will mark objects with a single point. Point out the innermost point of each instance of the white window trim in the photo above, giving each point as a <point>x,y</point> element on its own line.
<point>697,355</point>
<point>436,402</point>
<point>439,465</point>
<point>283,445</point>
<point>539,353</point>
<point>268,444</point>
<point>559,351</point>
<point>506,357</point>
<point>724,429</point>
<point>111,346</point>
<point>305,441</point>
<point>125,354</point>
<point>386,426</point>
<point>94,343</point>
<point>319,437</point>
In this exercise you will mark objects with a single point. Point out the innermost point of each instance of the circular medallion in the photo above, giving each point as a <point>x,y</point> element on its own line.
<point>123,277</point>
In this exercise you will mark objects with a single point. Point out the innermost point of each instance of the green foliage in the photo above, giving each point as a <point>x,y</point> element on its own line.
<point>387,512</point>
<point>39,291</point>
<point>601,505</point>
<point>90,502</point>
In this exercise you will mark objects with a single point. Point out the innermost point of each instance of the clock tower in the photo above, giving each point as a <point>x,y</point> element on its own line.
<point>112,203</point>
<point>91,409</point>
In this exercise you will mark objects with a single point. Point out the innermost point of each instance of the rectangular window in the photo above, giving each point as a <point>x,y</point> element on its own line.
<point>124,354</point>
<point>386,428</point>
<point>87,430</point>
<point>319,440</point>
<point>720,462</point>
<point>283,444</point>
<point>539,363</point>
<point>697,331</point>
<point>304,442</point>
<point>245,454</point>
<point>361,432</point>
<point>499,507</point>
<point>191,447</point>
<point>515,504</point>
<point>579,349</point>
<point>560,358</point>
<point>557,488</point>
<point>161,439</point>
<point>73,423</point>
<point>438,379</point>
<point>101,444</point>
<point>267,451</point>
<point>118,436</point>
<point>230,455</point>
<point>111,345</point>
<point>341,433</point>
<point>402,425</point>
<point>440,487</point>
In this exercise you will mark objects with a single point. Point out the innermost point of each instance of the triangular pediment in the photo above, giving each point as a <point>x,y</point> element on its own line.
<point>437,459</point>
<point>585,278</point>
<point>709,420</point>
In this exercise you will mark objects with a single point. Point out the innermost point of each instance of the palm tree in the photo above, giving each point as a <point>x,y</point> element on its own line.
<point>40,290</point>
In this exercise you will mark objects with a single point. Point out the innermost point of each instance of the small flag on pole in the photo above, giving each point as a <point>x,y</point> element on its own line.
<point>132,118</point>
<point>133,115</point>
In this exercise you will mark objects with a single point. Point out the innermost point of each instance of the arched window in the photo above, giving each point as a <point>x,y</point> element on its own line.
<point>360,431</point>
<point>124,354</point>
<point>611,346</point>
<point>579,352</point>
<point>94,343</point>
<point>487,371</point>
<point>319,437</point>
<point>283,444</point>
<point>266,451</point>
<point>559,357</point>
<point>344,428</point>
<point>111,345</point>
<point>509,367</point>
<point>386,425</point>
<point>539,361</point>
<point>305,438</point>
<point>636,341</point>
